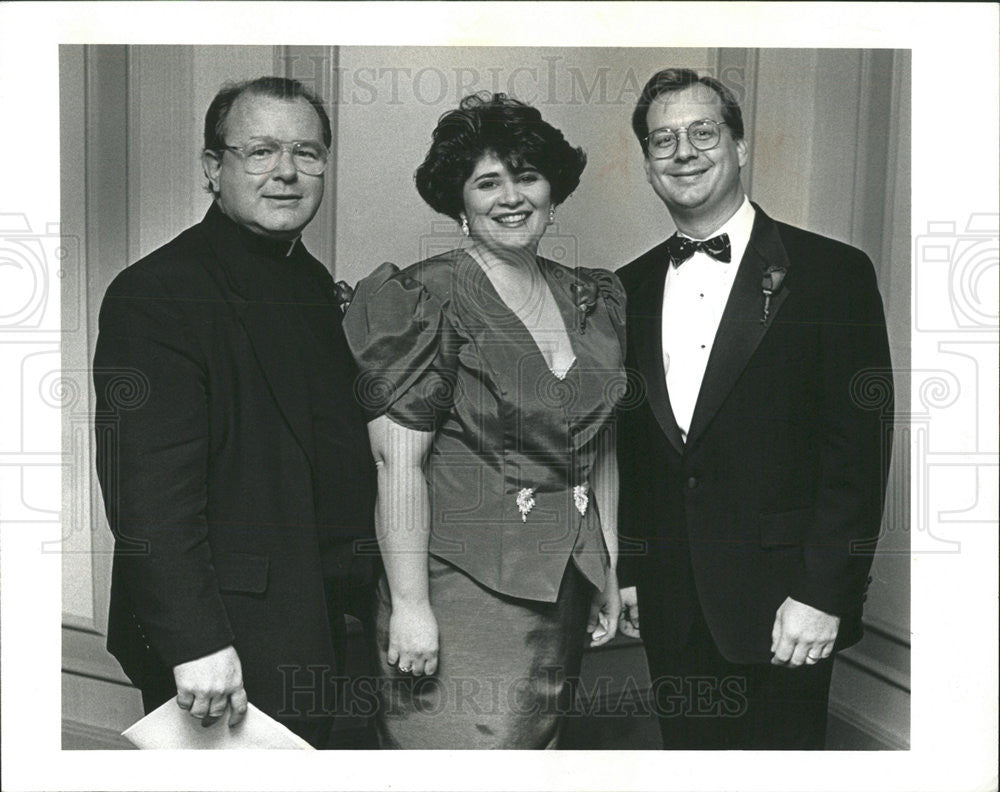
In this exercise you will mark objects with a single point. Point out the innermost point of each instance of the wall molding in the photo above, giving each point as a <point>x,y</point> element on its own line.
<point>865,733</point>
<point>887,630</point>
<point>316,68</point>
<point>870,694</point>
<point>85,653</point>
<point>78,736</point>
<point>736,68</point>
<point>883,671</point>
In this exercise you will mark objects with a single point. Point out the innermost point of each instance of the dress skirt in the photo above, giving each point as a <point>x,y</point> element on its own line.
<point>507,667</point>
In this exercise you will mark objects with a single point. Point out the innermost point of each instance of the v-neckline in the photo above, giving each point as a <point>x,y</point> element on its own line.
<point>544,270</point>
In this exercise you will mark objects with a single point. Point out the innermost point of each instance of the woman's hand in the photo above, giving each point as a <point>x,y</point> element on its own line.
<point>413,638</point>
<point>604,610</point>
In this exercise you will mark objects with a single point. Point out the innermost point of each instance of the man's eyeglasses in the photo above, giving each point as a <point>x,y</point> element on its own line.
<point>261,155</point>
<point>702,135</point>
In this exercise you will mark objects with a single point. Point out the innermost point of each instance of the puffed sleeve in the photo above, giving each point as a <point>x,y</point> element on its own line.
<point>403,344</point>
<point>613,295</point>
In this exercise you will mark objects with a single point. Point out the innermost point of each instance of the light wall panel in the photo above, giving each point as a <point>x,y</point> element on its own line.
<point>77,520</point>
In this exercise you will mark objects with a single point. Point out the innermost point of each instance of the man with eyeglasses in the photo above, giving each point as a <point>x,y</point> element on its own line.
<point>753,465</point>
<point>238,483</point>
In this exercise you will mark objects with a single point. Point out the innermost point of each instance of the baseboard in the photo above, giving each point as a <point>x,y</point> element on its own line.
<point>870,695</point>
<point>848,730</point>
<point>78,736</point>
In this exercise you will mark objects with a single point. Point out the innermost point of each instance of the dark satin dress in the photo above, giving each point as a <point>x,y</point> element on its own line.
<point>516,548</point>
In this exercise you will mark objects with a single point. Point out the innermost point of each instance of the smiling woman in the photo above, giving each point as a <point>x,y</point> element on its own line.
<point>500,170</point>
<point>506,209</point>
<point>512,132</point>
<point>496,541</point>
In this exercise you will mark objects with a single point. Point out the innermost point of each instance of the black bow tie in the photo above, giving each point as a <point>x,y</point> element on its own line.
<point>680,249</point>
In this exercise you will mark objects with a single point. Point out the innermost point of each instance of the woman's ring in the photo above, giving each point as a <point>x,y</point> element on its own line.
<point>406,669</point>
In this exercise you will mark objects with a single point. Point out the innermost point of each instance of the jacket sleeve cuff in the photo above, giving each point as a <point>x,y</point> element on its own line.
<point>836,603</point>
<point>628,562</point>
<point>195,647</point>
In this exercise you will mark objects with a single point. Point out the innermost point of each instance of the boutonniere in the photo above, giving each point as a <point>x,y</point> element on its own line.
<point>771,285</point>
<point>525,502</point>
<point>343,294</point>
<point>585,299</point>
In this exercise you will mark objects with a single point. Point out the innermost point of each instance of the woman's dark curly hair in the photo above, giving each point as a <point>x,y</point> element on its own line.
<point>511,130</point>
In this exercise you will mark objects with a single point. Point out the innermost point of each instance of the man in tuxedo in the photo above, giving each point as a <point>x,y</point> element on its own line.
<point>753,463</point>
<point>233,457</point>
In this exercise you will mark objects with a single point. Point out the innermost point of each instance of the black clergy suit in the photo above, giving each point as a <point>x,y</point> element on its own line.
<point>778,489</point>
<point>235,466</point>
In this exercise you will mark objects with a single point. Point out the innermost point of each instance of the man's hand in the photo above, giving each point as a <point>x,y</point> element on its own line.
<point>628,622</point>
<point>605,606</point>
<point>802,634</point>
<point>206,686</point>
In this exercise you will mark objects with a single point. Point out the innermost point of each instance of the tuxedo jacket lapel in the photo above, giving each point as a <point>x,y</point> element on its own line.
<point>741,329</point>
<point>647,310</point>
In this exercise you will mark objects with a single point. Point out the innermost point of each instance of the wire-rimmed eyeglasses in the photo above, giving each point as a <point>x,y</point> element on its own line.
<point>703,135</point>
<point>261,155</point>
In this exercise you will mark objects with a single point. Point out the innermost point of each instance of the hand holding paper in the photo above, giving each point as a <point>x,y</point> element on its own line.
<point>210,684</point>
<point>168,726</point>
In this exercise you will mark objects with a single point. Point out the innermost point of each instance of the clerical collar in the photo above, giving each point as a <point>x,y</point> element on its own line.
<point>257,244</point>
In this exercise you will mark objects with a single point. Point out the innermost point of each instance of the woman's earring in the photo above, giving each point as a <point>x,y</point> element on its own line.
<point>552,214</point>
<point>465,225</point>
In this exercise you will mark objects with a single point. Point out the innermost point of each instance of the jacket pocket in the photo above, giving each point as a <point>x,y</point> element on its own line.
<point>784,529</point>
<point>241,572</point>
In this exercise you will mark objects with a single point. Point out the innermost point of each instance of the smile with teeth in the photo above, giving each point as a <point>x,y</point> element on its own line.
<point>691,175</point>
<point>512,220</point>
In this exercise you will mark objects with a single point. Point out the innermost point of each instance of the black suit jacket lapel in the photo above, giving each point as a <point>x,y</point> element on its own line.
<point>741,330</point>
<point>646,307</point>
<point>266,327</point>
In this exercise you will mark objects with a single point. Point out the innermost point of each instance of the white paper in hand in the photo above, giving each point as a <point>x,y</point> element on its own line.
<point>169,726</point>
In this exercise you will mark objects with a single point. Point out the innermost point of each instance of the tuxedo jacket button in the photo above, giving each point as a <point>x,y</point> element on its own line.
<point>692,482</point>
